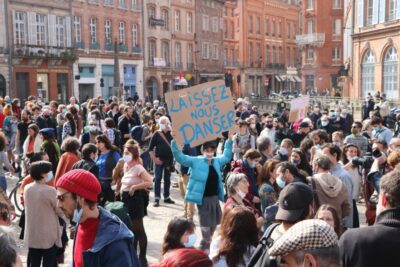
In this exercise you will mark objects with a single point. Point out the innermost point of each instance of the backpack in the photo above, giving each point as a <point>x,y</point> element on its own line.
<point>260,257</point>
<point>117,138</point>
<point>117,208</point>
<point>137,133</point>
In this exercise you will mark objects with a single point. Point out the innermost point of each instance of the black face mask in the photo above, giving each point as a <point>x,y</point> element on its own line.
<point>47,116</point>
<point>269,126</point>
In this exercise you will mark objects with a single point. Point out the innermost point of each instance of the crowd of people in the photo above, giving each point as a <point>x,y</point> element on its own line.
<point>273,192</point>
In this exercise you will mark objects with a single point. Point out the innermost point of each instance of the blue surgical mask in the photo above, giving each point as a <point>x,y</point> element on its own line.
<point>77,215</point>
<point>280,182</point>
<point>49,176</point>
<point>296,161</point>
<point>163,127</point>
<point>191,241</point>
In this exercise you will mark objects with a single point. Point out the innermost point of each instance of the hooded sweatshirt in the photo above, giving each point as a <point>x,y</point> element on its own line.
<point>330,190</point>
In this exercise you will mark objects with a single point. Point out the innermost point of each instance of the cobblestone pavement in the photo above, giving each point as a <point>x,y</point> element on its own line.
<point>155,224</point>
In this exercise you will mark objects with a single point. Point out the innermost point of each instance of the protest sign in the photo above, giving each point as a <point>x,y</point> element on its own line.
<point>298,108</point>
<point>201,113</point>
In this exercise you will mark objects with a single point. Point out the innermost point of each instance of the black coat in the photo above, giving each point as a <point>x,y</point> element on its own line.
<point>376,245</point>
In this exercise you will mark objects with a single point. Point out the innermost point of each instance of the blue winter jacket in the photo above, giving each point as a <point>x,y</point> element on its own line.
<point>199,169</point>
<point>113,245</point>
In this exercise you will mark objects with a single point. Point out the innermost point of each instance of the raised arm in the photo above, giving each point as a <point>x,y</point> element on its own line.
<point>183,159</point>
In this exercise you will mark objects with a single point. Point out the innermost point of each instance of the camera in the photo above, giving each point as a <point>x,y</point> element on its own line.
<point>365,161</point>
<point>376,153</point>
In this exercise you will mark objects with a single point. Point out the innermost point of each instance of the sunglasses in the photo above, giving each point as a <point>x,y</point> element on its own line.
<point>61,197</point>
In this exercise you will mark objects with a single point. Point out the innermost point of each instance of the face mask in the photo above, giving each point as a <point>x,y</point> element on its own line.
<point>316,110</point>
<point>344,111</point>
<point>376,129</point>
<point>354,131</point>
<point>49,177</point>
<point>318,146</point>
<point>283,151</point>
<point>92,128</point>
<point>163,127</point>
<point>252,165</point>
<point>47,116</point>
<point>337,143</point>
<point>157,121</point>
<point>350,158</point>
<point>64,111</point>
<point>77,215</point>
<point>296,161</point>
<point>208,155</point>
<point>253,126</point>
<point>127,158</point>
<point>280,182</point>
<point>191,241</point>
<point>93,117</point>
<point>324,123</point>
<point>240,193</point>
<point>269,126</point>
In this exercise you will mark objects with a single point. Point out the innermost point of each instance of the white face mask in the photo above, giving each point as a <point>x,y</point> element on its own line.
<point>240,193</point>
<point>324,123</point>
<point>163,127</point>
<point>127,158</point>
<point>208,155</point>
<point>253,126</point>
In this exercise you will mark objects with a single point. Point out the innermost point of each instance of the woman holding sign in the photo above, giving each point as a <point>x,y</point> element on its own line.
<point>205,186</point>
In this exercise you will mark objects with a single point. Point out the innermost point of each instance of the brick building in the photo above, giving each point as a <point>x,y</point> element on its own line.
<point>99,26</point>
<point>259,45</point>
<point>4,73</point>
<point>209,40</point>
<point>182,40</point>
<point>321,43</point>
<point>40,42</point>
<point>376,38</point>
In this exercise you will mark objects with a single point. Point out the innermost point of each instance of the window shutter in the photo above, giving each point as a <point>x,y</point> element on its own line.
<point>68,30</point>
<point>382,10</point>
<point>52,30</point>
<point>14,27</point>
<point>398,9</point>
<point>375,12</point>
<point>32,38</point>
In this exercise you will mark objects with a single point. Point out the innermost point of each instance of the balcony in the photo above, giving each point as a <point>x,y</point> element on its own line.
<point>231,64</point>
<point>109,47</point>
<point>136,49</point>
<point>275,65</point>
<point>311,39</point>
<point>44,52</point>
<point>80,45</point>
<point>178,65</point>
<point>136,8</point>
<point>190,66</point>
<point>123,48</point>
<point>94,46</point>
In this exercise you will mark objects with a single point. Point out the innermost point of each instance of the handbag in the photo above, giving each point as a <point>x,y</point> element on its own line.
<point>170,166</point>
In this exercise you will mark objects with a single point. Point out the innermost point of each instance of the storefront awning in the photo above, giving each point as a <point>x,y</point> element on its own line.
<point>297,79</point>
<point>212,75</point>
<point>180,81</point>
<point>278,78</point>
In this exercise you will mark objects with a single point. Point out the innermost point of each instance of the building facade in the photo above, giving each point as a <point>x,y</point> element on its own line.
<point>4,67</point>
<point>108,39</point>
<point>182,40</point>
<point>376,40</point>
<point>40,44</point>
<point>209,40</point>
<point>321,44</point>
<point>259,45</point>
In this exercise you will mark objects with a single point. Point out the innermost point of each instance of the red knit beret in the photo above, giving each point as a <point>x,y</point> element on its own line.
<point>81,183</point>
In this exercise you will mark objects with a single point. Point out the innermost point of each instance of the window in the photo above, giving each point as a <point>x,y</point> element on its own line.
<point>108,2</point>
<point>135,37</point>
<point>390,77</point>
<point>225,29</point>
<point>336,53</point>
<point>165,18</point>
<point>60,31</point>
<point>215,24</point>
<point>250,26</point>
<point>273,55</point>
<point>190,55</point>
<point>258,53</point>
<point>310,4</point>
<point>232,30</point>
<point>224,11</point>
<point>336,4</point>
<point>108,31</point>
<point>178,53</point>
<point>152,52</point>
<point>165,51</point>
<point>93,30</point>
<point>280,29</point>
<point>215,51</point>
<point>20,27</point>
<point>251,57</point>
<point>152,14</point>
<point>121,31</point>
<point>41,29</point>
<point>205,51</point>
<point>258,26</point>
<point>121,4</point>
<point>392,9</point>
<point>225,56</point>
<point>267,55</point>
<point>205,23</point>
<point>280,52</point>
<point>337,27</point>
<point>177,20</point>
<point>370,9</point>
<point>368,73</point>
<point>288,58</point>
<point>309,82</point>
<point>189,19</point>
<point>266,26</point>
<point>310,26</point>
<point>273,28</point>
<point>77,29</point>
<point>232,12</point>
<point>135,5</point>
<point>310,54</point>
<point>232,55</point>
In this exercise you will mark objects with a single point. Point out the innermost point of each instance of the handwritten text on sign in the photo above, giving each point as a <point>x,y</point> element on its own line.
<point>201,113</point>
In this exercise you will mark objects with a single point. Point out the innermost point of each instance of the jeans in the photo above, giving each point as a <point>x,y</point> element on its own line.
<point>159,170</point>
<point>49,257</point>
<point>3,183</point>
<point>146,159</point>
<point>375,179</point>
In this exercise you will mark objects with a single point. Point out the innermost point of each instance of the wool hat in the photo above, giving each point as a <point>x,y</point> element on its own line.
<point>304,235</point>
<point>294,199</point>
<point>81,183</point>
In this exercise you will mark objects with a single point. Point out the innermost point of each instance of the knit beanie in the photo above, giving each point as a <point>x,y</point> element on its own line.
<point>81,183</point>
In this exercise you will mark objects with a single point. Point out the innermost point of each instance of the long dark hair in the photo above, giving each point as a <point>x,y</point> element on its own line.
<point>104,139</point>
<point>72,122</point>
<point>336,220</point>
<point>238,232</point>
<point>176,228</point>
<point>293,170</point>
<point>268,167</point>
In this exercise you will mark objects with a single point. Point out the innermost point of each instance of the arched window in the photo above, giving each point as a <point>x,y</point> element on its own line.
<point>368,73</point>
<point>390,77</point>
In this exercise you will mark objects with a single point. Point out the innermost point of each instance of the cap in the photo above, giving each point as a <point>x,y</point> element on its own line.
<point>81,183</point>
<point>307,234</point>
<point>304,125</point>
<point>47,131</point>
<point>294,199</point>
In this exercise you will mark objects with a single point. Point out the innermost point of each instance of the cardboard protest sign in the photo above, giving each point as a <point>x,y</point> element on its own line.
<point>201,113</point>
<point>298,108</point>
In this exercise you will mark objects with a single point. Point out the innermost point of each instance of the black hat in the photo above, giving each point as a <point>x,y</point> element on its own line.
<point>294,199</point>
<point>304,125</point>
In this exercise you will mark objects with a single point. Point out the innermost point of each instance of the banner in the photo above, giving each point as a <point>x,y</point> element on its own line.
<point>201,113</point>
<point>298,108</point>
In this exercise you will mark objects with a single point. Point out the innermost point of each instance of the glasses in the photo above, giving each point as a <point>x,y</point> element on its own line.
<point>61,197</point>
<point>268,121</point>
<point>354,126</point>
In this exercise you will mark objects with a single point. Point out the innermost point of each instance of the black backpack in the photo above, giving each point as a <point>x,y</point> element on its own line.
<point>117,138</point>
<point>137,133</point>
<point>260,257</point>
